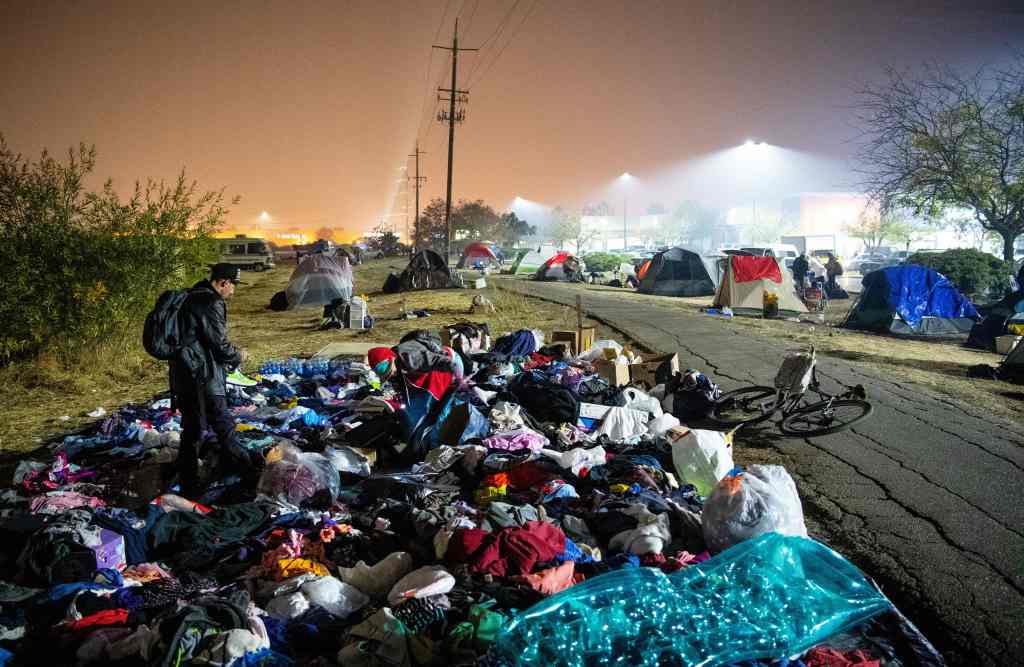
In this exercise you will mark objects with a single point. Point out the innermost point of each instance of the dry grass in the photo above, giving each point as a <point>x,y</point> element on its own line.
<point>39,393</point>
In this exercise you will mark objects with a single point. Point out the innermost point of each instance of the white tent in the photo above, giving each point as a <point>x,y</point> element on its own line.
<point>318,280</point>
<point>746,279</point>
<point>533,260</point>
<point>1012,368</point>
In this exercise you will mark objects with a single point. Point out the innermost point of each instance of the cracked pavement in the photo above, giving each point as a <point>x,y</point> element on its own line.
<point>924,495</point>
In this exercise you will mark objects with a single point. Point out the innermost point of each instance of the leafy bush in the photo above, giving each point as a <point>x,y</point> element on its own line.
<point>78,267</point>
<point>604,261</point>
<point>974,272</point>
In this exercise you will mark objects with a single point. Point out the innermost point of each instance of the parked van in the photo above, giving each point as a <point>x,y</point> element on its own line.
<point>247,252</point>
<point>776,250</point>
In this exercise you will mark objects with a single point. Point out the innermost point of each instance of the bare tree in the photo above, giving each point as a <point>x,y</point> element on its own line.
<point>939,139</point>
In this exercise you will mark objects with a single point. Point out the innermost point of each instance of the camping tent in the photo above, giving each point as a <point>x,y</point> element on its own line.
<point>983,334</point>
<point>562,266</point>
<point>529,261</point>
<point>747,278</point>
<point>911,300</point>
<point>426,270</point>
<point>1012,368</point>
<point>679,272</point>
<point>478,253</point>
<point>318,280</point>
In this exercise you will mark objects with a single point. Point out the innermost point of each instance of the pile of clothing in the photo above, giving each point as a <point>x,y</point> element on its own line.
<point>480,507</point>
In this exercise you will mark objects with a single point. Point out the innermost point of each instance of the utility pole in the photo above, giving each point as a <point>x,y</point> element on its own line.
<point>417,179</point>
<point>454,94</point>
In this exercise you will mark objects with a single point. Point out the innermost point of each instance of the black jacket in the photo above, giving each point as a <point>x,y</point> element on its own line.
<point>204,362</point>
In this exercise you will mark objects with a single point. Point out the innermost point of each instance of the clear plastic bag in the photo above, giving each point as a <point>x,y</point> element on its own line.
<point>769,597</point>
<point>299,478</point>
<point>746,504</point>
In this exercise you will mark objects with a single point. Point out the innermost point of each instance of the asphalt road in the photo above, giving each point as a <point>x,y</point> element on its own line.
<point>924,495</point>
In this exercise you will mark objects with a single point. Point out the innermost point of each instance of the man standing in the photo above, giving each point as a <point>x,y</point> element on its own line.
<point>833,269</point>
<point>198,376</point>
<point>800,268</point>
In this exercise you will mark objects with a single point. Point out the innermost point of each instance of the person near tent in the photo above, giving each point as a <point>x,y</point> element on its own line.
<point>199,386</point>
<point>833,269</point>
<point>800,268</point>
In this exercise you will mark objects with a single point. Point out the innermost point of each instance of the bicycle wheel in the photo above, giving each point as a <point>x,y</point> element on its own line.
<point>749,405</point>
<point>824,418</point>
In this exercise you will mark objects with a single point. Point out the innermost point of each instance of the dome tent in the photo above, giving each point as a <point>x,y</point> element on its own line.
<point>426,270</point>
<point>318,280</point>
<point>911,300</point>
<point>562,266</point>
<point>678,272</point>
<point>746,279</point>
<point>478,253</point>
<point>528,261</point>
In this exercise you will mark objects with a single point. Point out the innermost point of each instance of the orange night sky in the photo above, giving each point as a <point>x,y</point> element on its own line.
<point>308,109</point>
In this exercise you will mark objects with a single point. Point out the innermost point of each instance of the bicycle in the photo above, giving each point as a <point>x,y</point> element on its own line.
<point>752,405</point>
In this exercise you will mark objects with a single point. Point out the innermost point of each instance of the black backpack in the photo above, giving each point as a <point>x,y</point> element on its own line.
<point>162,334</point>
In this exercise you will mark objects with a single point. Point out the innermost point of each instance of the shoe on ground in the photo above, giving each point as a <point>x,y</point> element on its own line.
<point>238,379</point>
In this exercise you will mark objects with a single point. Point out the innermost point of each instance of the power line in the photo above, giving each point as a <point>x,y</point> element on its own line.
<point>469,21</point>
<point>499,28</point>
<point>510,40</point>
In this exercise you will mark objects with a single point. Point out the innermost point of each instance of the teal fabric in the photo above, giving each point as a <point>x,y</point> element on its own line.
<point>769,597</point>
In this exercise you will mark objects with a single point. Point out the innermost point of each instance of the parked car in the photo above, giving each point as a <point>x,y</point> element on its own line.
<point>247,252</point>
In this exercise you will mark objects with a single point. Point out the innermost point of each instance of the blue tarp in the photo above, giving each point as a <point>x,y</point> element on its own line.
<point>914,292</point>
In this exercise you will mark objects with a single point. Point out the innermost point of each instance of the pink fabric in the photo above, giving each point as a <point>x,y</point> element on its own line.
<point>57,502</point>
<point>514,441</point>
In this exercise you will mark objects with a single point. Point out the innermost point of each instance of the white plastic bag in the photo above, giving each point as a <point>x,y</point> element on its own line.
<point>742,506</point>
<point>422,583</point>
<point>700,457</point>
<point>337,597</point>
<point>622,423</point>
<point>577,459</point>
<point>661,425</point>
<point>638,400</point>
<point>346,459</point>
<point>596,350</point>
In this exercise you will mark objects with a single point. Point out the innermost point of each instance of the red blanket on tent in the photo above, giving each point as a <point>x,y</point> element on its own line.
<point>746,269</point>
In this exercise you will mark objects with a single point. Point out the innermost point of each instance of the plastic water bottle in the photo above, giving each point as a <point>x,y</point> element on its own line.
<point>311,418</point>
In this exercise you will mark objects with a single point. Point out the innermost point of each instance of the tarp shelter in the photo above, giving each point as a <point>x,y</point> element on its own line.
<point>746,279</point>
<point>318,280</point>
<point>983,334</point>
<point>911,300</point>
<point>478,253</point>
<point>426,270</point>
<point>562,266</point>
<point>678,272</point>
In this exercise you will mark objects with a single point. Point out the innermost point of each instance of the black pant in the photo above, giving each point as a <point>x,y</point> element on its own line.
<point>218,418</point>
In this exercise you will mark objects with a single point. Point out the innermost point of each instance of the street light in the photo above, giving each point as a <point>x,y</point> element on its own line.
<point>625,179</point>
<point>753,148</point>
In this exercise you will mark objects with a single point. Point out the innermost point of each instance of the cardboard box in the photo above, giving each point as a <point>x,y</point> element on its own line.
<point>580,340</point>
<point>645,372</point>
<point>617,374</point>
<point>110,551</point>
<point>1005,344</point>
<point>567,337</point>
<point>593,410</point>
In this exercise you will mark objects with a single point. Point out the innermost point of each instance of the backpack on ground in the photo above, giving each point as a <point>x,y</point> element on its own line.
<point>162,334</point>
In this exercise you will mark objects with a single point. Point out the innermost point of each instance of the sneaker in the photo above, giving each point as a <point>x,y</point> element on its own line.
<point>238,379</point>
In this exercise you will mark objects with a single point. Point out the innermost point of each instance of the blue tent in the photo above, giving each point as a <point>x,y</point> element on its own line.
<point>911,300</point>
